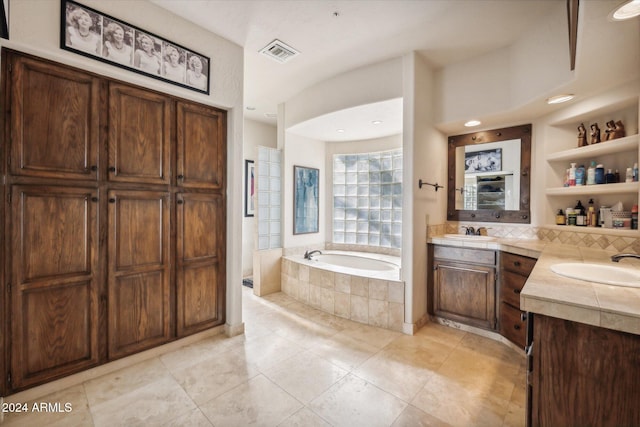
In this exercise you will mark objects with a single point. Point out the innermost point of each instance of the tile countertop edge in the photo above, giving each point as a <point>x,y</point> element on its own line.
<point>611,307</point>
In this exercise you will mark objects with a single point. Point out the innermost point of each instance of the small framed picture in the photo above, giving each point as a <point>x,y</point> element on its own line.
<point>306,193</point>
<point>249,188</point>
<point>483,161</point>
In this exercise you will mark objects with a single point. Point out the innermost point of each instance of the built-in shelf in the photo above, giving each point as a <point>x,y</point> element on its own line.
<point>486,174</point>
<point>621,145</point>
<point>591,190</point>
<point>595,230</point>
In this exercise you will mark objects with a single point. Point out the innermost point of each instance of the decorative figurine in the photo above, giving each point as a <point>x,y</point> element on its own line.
<point>595,133</point>
<point>611,127</point>
<point>582,136</point>
<point>619,131</point>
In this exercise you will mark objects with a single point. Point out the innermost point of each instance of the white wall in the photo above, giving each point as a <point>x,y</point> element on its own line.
<point>35,29</point>
<point>255,134</point>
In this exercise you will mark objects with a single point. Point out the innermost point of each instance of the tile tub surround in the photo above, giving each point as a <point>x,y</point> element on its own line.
<point>372,301</point>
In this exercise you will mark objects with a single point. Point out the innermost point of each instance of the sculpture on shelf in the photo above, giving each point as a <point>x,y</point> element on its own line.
<point>608,133</point>
<point>619,131</point>
<point>582,136</point>
<point>595,133</point>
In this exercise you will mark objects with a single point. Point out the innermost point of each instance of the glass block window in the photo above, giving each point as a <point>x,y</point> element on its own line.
<point>367,199</point>
<point>269,211</point>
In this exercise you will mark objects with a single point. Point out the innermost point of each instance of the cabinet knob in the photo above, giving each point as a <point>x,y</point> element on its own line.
<point>94,168</point>
<point>94,199</point>
<point>180,176</point>
<point>516,291</point>
<point>180,202</point>
<point>516,327</point>
<point>517,263</point>
<point>112,168</point>
<point>523,317</point>
<point>112,200</point>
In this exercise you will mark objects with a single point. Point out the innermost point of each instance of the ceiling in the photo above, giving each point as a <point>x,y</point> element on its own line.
<point>335,36</point>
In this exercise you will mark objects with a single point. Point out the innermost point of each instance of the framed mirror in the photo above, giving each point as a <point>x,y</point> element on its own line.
<point>489,176</point>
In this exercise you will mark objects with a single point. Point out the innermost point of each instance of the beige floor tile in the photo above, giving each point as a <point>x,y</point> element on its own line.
<point>305,376</point>
<point>195,353</point>
<point>414,417</point>
<point>304,418</point>
<point>377,337</point>
<point>206,380</point>
<point>258,402</point>
<point>515,416</point>
<point>153,404</point>
<point>266,351</point>
<point>124,381</point>
<point>441,333</point>
<point>344,351</point>
<point>195,418</point>
<point>77,414</point>
<point>356,402</point>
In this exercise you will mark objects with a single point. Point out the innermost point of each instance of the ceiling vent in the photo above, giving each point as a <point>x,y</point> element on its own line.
<point>279,51</point>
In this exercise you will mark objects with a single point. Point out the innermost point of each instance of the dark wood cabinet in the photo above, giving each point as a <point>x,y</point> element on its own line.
<point>139,271</point>
<point>582,375</point>
<point>54,284</point>
<point>115,223</point>
<point>514,271</point>
<point>464,285</point>
<point>54,120</point>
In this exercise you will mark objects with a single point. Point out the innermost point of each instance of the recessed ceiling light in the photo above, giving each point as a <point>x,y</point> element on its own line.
<point>251,108</point>
<point>271,115</point>
<point>558,99</point>
<point>472,123</point>
<point>626,10</point>
<point>340,130</point>
<point>376,122</point>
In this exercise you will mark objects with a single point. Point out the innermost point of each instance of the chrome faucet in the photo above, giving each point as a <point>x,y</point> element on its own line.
<point>470,231</point>
<point>307,254</point>
<point>618,257</point>
<point>481,231</point>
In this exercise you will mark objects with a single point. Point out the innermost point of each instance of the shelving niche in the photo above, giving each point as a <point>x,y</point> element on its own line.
<point>614,154</point>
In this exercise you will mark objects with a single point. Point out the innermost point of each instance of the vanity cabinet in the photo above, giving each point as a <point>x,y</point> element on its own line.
<point>582,375</point>
<point>514,271</point>
<point>114,220</point>
<point>464,285</point>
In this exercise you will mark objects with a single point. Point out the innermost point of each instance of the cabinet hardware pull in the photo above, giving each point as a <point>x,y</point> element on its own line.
<point>523,317</point>
<point>94,199</point>
<point>180,202</point>
<point>516,263</point>
<point>516,291</point>
<point>112,200</point>
<point>516,327</point>
<point>180,176</point>
<point>112,169</point>
<point>94,168</point>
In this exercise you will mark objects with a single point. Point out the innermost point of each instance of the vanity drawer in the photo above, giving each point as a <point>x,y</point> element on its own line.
<point>512,326</point>
<point>476,256</point>
<point>517,263</point>
<point>510,287</point>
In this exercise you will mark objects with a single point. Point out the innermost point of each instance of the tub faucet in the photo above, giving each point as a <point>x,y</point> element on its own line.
<point>618,257</point>
<point>307,254</point>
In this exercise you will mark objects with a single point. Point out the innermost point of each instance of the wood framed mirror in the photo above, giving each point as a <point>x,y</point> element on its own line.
<point>489,176</point>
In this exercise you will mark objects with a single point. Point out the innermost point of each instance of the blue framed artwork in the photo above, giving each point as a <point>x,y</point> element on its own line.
<point>306,193</point>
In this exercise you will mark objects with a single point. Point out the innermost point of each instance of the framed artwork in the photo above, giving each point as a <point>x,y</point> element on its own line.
<point>483,161</point>
<point>91,33</point>
<point>4,19</point>
<point>249,187</point>
<point>306,192</point>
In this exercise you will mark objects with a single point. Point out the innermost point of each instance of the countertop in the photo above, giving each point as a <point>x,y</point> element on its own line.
<point>612,307</point>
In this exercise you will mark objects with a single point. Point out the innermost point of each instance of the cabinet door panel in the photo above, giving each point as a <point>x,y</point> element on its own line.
<point>200,276</point>
<point>201,139</point>
<point>139,271</point>
<point>466,293</point>
<point>54,283</point>
<point>139,135</point>
<point>54,121</point>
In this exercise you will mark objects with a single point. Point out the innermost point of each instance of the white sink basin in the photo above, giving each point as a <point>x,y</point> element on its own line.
<point>470,237</point>
<point>599,273</point>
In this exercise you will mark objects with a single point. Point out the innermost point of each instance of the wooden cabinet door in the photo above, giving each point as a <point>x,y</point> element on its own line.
<point>54,121</point>
<point>201,246</point>
<point>138,271</point>
<point>465,293</point>
<point>201,144</point>
<point>54,282</point>
<point>139,135</point>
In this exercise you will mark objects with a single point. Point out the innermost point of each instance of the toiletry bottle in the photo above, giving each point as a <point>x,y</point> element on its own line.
<point>580,178</point>
<point>572,175</point>
<point>629,175</point>
<point>592,218</point>
<point>635,172</point>
<point>591,173</point>
<point>581,217</point>
<point>560,218</point>
<point>634,217</point>
<point>609,178</point>
<point>571,216</point>
<point>600,174</point>
<point>616,176</point>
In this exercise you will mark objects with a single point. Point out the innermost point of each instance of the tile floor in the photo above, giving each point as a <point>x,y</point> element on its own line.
<point>296,366</point>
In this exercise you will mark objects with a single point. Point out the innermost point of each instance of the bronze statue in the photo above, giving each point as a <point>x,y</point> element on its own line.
<point>582,136</point>
<point>619,131</point>
<point>595,133</point>
<point>608,133</point>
